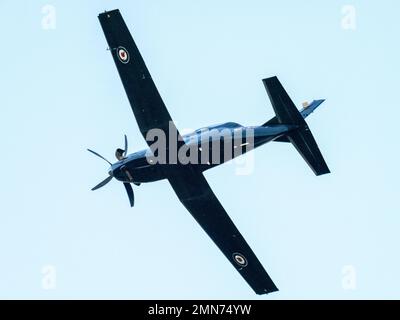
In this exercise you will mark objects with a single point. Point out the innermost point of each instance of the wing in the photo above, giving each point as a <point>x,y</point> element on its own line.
<point>146,102</point>
<point>196,195</point>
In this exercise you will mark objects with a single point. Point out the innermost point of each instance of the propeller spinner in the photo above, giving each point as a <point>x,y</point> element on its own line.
<point>120,154</point>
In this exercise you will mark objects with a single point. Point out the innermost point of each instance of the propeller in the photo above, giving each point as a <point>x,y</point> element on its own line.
<point>120,154</point>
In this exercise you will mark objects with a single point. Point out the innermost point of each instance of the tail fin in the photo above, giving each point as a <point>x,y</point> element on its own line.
<point>287,113</point>
<point>305,112</point>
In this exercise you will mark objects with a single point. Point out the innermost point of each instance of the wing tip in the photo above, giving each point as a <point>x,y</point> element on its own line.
<point>273,78</point>
<point>108,13</point>
<point>267,290</point>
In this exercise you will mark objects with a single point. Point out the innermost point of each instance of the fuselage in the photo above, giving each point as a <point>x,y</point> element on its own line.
<point>205,148</point>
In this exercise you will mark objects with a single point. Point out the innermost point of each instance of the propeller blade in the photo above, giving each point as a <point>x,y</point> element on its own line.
<point>129,191</point>
<point>103,183</point>
<point>96,154</point>
<point>126,146</point>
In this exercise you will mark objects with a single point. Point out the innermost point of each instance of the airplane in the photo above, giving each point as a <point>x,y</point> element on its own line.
<point>187,180</point>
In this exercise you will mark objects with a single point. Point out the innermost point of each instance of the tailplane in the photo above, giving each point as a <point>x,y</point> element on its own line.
<point>287,113</point>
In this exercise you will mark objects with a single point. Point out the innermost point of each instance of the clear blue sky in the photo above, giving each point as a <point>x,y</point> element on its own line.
<point>61,94</point>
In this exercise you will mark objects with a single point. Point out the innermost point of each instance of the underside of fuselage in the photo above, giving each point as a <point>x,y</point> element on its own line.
<point>205,148</point>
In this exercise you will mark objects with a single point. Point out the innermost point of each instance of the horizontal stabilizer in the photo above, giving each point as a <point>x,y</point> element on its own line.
<point>287,113</point>
<point>305,112</point>
<point>304,142</point>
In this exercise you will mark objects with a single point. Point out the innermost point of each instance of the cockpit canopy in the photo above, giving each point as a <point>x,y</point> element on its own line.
<point>221,126</point>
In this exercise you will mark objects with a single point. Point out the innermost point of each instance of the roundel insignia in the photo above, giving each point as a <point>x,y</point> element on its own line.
<point>123,55</point>
<point>240,259</point>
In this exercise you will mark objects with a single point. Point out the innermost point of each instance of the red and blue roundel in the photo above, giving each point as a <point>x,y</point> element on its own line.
<point>123,54</point>
<point>240,259</point>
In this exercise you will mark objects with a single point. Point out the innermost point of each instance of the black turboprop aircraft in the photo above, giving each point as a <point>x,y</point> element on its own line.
<point>188,180</point>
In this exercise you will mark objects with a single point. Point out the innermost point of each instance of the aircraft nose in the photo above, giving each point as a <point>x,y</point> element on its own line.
<point>110,172</point>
